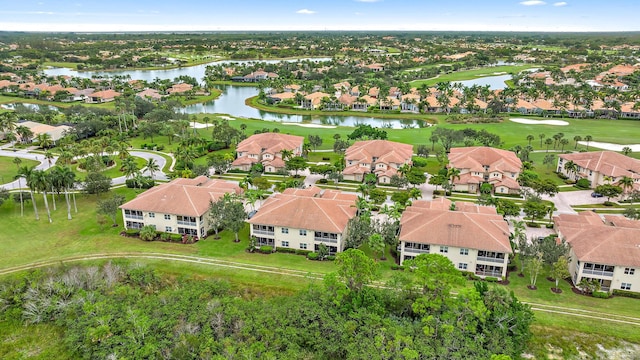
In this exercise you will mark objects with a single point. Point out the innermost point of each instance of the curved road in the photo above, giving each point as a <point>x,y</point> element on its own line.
<point>44,165</point>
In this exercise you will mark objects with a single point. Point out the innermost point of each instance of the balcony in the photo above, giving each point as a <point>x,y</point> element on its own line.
<point>325,239</point>
<point>491,259</point>
<point>496,274</point>
<point>417,251</point>
<point>597,272</point>
<point>263,232</point>
<point>187,223</point>
<point>135,217</point>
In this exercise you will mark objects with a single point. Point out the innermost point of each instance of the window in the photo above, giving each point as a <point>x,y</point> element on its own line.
<point>444,249</point>
<point>167,228</point>
<point>167,217</point>
<point>629,271</point>
<point>285,230</point>
<point>464,251</point>
<point>152,215</point>
<point>303,246</point>
<point>285,244</point>
<point>462,266</point>
<point>625,286</point>
<point>303,233</point>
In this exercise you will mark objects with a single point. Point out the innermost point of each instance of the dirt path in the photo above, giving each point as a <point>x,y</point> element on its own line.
<point>600,316</point>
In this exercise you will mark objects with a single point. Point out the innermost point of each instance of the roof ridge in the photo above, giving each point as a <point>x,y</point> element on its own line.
<point>184,188</point>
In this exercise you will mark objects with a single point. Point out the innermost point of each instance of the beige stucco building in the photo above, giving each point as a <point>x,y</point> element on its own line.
<point>304,219</point>
<point>605,249</point>
<point>600,167</point>
<point>180,206</point>
<point>267,149</point>
<point>481,164</point>
<point>381,157</point>
<point>475,238</point>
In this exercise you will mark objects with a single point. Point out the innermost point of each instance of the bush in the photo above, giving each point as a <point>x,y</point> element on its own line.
<point>491,279</point>
<point>175,238</point>
<point>286,250</point>
<point>132,232</point>
<point>215,145</point>
<point>549,226</point>
<point>159,147</point>
<point>165,236</point>
<point>265,249</point>
<point>626,293</point>
<point>322,181</point>
<point>583,184</point>
<point>312,256</point>
<point>608,203</point>
<point>302,252</point>
<point>397,267</point>
<point>330,257</point>
<point>533,224</point>
<point>600,294</point>
<point>419,161</point>
<point>145,183</point>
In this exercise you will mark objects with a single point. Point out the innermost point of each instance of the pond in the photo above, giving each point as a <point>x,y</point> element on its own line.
<point>232,101</point>
<point>196,71</point>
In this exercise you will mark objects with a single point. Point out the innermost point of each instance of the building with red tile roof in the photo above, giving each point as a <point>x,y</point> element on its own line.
<point>267,149</point>
<point>481,164</point>
<point>381,157</point>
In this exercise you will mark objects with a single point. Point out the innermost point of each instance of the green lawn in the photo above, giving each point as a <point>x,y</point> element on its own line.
<point>473,74</point>
<point>9,170</point>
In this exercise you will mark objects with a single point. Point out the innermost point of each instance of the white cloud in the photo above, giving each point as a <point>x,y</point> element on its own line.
<point>532,2</point>
<point>560,3</point>
<point>305,11</point>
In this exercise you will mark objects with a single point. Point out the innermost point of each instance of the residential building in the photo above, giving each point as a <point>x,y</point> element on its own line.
<point>381,157</point>
<point>102,96</point>
<point>605,249</point>
<point>475,238</point>
<point>304,219</point>
<point>600,167</point>
<point>55,132</point>
<point>267,149</point>
<point>480,164</point>
<point>180,206</point>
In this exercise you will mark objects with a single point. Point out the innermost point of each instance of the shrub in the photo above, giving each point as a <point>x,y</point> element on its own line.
<point>322,181</point>
<point>145,183</point>
<point>215,145</point>
<point>312,256</point>
<point>397,267</point>
<point>533,224</point>
<point>583,184</point>
<point>491,279</point>
<point>265,249</point>
<point>160,147</point>
<point>626,293</point>
<point>176,238</point>
<point>549,226</point>
<point>286,250</point>
<point>600,294</point>
<point>302,252</point>
<point>330,257</point>
<point>132,232</point>
<point>608,203</point>
<point>165,236</point>
<point>419,161</point>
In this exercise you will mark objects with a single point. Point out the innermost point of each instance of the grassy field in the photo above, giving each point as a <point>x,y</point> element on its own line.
<point>473,74</point>
<point>9,170</point>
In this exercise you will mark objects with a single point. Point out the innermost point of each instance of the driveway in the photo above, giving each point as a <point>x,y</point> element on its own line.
<point>564,200</point>
<point>23,154</point>
<point>158,175</point>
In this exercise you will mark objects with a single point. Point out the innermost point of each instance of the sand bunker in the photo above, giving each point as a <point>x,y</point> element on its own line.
<point>540,122</point>
<point>610,146</point>
<point>311,125</point>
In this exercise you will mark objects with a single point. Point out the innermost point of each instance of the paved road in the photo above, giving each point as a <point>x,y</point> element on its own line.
<point>158,175</point>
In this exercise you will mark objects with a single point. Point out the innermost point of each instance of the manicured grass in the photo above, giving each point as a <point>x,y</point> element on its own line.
<point>14,99</point>
<point>473,74</point>
<point>9,170</point>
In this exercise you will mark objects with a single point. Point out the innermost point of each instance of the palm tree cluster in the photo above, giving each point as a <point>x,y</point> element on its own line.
<point>58,180</point>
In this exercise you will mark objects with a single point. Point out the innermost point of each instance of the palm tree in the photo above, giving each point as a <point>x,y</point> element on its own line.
<point>530,138</point>
<point>577,139</point>
<point>626,183</point>
<point>563,142</point>
<point>26,173</point>
<point>588,139</point>
<point>452,175</point>
<point>626,150</point>
<point>152,166</point>
<point>42,182</point>
<point>44,140</point>
<point>541,136</point>
<point>63,179</point>
<point>548,142</point>
<point>18,162</point>
<point>129,167</point>
<point>570,167</point>
<point>286,154</point>
<point>415,193</point>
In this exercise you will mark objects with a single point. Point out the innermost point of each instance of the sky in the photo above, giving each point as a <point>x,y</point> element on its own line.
<point>386,15</point>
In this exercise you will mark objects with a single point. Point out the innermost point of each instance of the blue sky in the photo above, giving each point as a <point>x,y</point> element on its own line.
<point>186,15</point>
